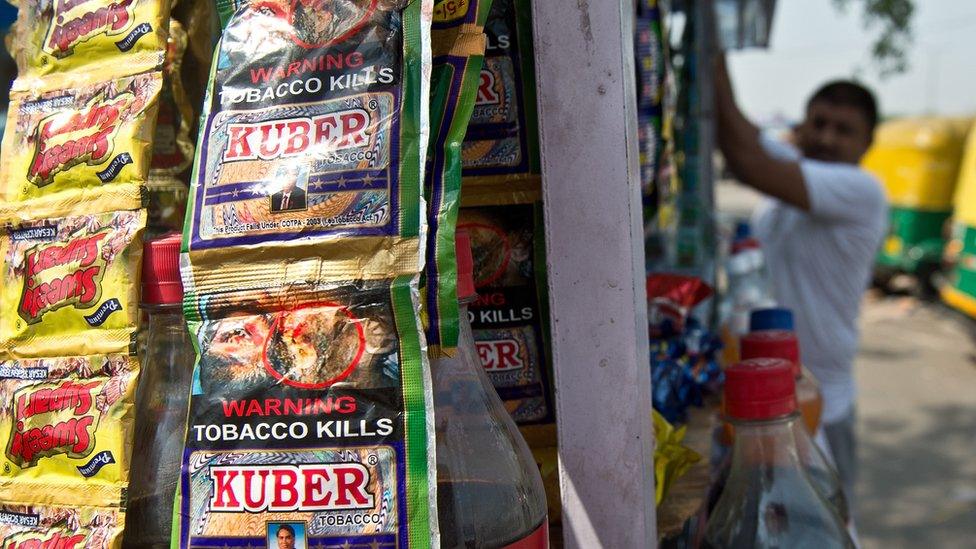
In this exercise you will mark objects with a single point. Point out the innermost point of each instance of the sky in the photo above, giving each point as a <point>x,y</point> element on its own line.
<point>813,42</point>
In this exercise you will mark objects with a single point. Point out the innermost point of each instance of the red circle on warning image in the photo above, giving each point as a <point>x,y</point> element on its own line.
<point>352,29</point>
<point>346,371</point>
<point>481,280</point>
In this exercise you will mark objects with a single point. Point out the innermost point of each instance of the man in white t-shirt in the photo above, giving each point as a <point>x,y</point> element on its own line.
<point>820,227</point>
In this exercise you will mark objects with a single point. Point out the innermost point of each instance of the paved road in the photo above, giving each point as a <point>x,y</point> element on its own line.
<point>916,374</point>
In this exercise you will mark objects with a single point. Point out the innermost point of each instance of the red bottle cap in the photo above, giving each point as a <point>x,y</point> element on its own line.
<point>745,244</point>
<point>772,344</point>
<point>465,265</point>
<point>761,388</point>
<point>161,282</point>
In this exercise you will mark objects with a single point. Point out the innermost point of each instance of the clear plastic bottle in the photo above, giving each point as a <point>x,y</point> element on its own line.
<point>161,399</point>
<point>769,499</point>
<point>783,345</point>
<point>489,490</point>
<point>748,289</point>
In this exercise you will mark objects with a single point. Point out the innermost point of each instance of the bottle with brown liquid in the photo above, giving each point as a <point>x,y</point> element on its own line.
<point>489,490</point>
<point>162,397</point>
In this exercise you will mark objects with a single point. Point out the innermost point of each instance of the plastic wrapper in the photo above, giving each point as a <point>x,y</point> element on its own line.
<point>457,58</point>
<point>91,39</point>
<point>671,459</point>
<point>79,137</point>
<point>501,144</point>
<point>671,298</point>
<point>302,253</point>
<point>684,367</point>
<point>65,425</point>
<point>70,283</point>
<point>314,128</point>
<point>306,383</point>
<point>508,316</point>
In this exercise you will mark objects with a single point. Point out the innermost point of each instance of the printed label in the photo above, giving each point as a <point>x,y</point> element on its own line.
<point>91,38</point>
<point>446,11</point>
<point>67,139</point>
<point>98,317</point>
<point>303,137</point>
<point>51,420</point>
<point>75,21</point>
<point>59,427</point>
<point>114,167</point>
<point>297,415</point>
<point>19,519</point>
<point>68,527</point>
<point>96,463</point>
<point>497,138</point>
<point>332,492</point>
<point>506,317</point>
<point>55,537</point>
<point>129,41</point>
<point>56,289</point>
<point>48,288</point>
<point>96,137</point>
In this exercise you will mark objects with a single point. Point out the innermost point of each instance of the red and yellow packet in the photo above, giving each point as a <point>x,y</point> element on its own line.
<point>79,137</point>
<point>65,433</point>
<point>94,40</point>
<point>70,284</point>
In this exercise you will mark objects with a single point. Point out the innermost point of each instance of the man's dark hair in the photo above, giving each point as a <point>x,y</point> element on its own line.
<point>285,528</point>
<point>850,94</point>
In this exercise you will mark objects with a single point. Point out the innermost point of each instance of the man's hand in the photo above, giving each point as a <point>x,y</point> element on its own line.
<point>740,142</point>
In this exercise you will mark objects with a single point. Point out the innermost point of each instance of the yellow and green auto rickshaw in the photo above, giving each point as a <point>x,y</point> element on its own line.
<point>960,292</point>
<point>917,161</point>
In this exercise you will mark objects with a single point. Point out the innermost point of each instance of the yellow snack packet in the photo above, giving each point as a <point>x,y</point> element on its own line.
<point>65,431</point>
<point>92,39</point>
<point>671,458</point>
<point>79,137</point>
<point>70,284</point>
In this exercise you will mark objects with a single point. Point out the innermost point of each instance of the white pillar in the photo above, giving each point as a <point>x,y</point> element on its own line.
<point>594,236</point>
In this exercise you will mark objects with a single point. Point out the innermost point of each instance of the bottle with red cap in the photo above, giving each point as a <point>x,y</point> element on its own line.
<point>489,490</point>
<point>769,499</point>
<point>783,345</point>
<point>161,398</point>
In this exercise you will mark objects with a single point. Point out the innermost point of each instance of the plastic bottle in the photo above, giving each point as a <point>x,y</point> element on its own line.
<point>769,499</point>
<point>161,399</point>
<point>748,289</point>
<point>489,490</point>
<point>783,345</point>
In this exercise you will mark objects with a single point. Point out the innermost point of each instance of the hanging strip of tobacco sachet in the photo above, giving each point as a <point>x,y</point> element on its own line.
<point>458,52</point>
<point>310,412</point>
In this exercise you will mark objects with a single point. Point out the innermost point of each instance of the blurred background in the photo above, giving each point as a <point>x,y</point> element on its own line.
<point>917,367</point>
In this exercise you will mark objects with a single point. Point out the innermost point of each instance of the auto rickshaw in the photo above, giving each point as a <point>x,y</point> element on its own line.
<point>917,161</point>
<point>960,292</point>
